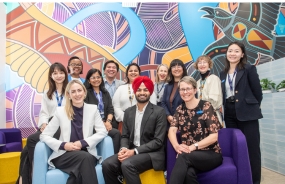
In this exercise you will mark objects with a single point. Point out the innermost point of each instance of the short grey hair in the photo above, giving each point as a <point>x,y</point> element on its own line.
<point>189,80</point>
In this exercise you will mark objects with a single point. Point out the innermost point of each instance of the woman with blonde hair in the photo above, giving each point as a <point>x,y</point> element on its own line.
<point>209,85</point>
<point>161,80</point>
<point>75,152</point>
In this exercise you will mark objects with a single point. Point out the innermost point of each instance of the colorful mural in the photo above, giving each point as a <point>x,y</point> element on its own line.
<point>39,34</point>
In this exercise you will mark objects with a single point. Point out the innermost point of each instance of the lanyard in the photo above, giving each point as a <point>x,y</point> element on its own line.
<point>202,83</point>
<point>231,80</point>
<point>100,103</point>
<point>131,95</point>
<point>159,90</point>
<point>59,100</point>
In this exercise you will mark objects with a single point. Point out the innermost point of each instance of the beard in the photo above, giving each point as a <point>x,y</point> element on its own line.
<point>143,100</point>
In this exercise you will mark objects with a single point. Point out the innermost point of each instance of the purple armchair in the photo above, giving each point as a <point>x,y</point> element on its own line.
<point>12,140</point>
<point>235,168</point>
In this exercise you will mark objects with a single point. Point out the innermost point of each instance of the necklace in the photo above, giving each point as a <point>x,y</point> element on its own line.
<point>131,96</point>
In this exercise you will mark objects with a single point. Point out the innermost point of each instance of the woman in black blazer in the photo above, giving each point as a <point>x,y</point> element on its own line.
<point>242,97</point>
<point>171,98</point>
<point>98,95</point>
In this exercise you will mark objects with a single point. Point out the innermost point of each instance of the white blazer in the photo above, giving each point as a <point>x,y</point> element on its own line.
<point>91,120</point>
<point>48,108</point>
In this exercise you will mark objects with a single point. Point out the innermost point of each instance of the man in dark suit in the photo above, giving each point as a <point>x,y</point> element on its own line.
<point>142,140</point>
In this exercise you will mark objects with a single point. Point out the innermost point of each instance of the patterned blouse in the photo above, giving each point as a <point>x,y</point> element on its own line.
<point>196,124</point>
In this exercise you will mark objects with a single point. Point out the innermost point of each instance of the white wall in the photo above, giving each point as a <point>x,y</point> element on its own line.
<point>2,65</point>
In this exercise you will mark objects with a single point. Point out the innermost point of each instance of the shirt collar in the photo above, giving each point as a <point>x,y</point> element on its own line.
<point>143,108</point>
<point>105,80</point>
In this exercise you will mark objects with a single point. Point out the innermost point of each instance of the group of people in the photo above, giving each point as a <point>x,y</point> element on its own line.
<point>76,114</point>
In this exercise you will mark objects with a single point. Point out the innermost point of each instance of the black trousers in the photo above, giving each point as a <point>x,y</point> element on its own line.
<point>27,156</point>
<point>116,137</point>
<point>188,164</point>
<point>80,165</point>
<point>130,168</point>
<point>251,131</point>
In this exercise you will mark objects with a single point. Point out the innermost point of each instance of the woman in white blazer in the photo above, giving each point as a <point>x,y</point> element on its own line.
<point>75,151</point>
<point>52,98</point>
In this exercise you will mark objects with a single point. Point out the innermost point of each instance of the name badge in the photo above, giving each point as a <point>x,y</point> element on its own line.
<point>199,112</point>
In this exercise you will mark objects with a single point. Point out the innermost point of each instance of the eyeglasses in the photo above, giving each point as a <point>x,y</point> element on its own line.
<point>93,78</point>
<point>177,67</point>
<point>73,64</point>
<point>202,62</point>
<point>185,89</point>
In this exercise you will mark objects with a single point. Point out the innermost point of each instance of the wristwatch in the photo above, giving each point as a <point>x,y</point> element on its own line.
<point>109,120</point>
<point>196,145</point>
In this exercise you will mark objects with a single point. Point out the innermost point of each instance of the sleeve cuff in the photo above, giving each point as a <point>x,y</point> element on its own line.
<point>84,144</point>
<point>136,151</point>
<point>61,147</point>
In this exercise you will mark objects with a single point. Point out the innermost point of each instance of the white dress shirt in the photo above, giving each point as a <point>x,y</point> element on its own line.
<point>138,121</point>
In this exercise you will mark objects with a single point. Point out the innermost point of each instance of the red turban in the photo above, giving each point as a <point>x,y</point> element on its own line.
<point>143,79</point>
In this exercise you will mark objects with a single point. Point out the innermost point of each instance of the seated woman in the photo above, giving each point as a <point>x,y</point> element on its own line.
<point>75,152</point>
<point>98,95</point>
<point>52,98</point>
<point>198,125</point>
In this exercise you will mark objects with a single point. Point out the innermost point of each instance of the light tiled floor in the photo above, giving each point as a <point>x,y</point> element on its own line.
<point>271,177</point>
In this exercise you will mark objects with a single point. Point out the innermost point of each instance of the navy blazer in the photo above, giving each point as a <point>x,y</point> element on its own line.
<point>248,93</point>
<point>108,107</point>
<point>165,103</point>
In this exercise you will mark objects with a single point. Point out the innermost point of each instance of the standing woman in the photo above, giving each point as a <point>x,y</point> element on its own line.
<point>53,98</point>
<point>209,85</point>
<point>75,151</point>
<point>98,95</point>
<point>242,97</point>
<point>161,80</point>
<point>171,97</point>
<point>75,68</point>
<point>124,96</point>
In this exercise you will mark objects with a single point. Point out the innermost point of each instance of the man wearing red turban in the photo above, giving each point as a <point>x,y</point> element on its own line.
<point>142,140</point>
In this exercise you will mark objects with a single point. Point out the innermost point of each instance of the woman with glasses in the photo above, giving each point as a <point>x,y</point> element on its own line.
<point>209,85</point>
<point>98,95</point>
<point>75,68</point>
<point>198,125</point>
<point>171,97</point>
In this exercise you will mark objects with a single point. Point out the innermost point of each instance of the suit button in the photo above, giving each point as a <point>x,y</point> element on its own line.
<point>236,100</point>
<point>236,91</point>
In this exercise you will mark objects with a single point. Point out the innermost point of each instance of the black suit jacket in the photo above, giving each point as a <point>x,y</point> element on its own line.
<point>108,107</point>
<point>153,130</point>
<point>248,93</point>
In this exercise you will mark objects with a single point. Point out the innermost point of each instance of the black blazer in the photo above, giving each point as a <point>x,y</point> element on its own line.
<point>165,103</point>
<point>153,130</point>
<point>108,107</point>
<point>248,93</point>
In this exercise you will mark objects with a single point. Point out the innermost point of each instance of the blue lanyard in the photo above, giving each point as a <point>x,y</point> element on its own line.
<point>100,103</point>
<point>231,80</point>
<point>159,90</point>
<point>59,101</point>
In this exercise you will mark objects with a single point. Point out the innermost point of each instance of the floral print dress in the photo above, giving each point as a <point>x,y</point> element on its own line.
<point>196,124</point>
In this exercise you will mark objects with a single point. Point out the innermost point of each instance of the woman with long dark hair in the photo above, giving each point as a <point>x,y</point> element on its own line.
<point>242,96</point>
<point>171,97</point>
<point>52,98</point>
<point>98,95</point>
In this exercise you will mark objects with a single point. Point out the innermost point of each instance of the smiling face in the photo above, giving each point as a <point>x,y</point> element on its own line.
<point>162,73</point>
<point>76,94</point>
<point>187,91</point>
<point>234,54</point>
<point>203,66</point>
<point>75,67</point>
<point>133,73</point>
<point>142,94</point>
<point>95,80</point>
<point>110,70</point>
<point>177,71</point>
<point>58,76</point>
